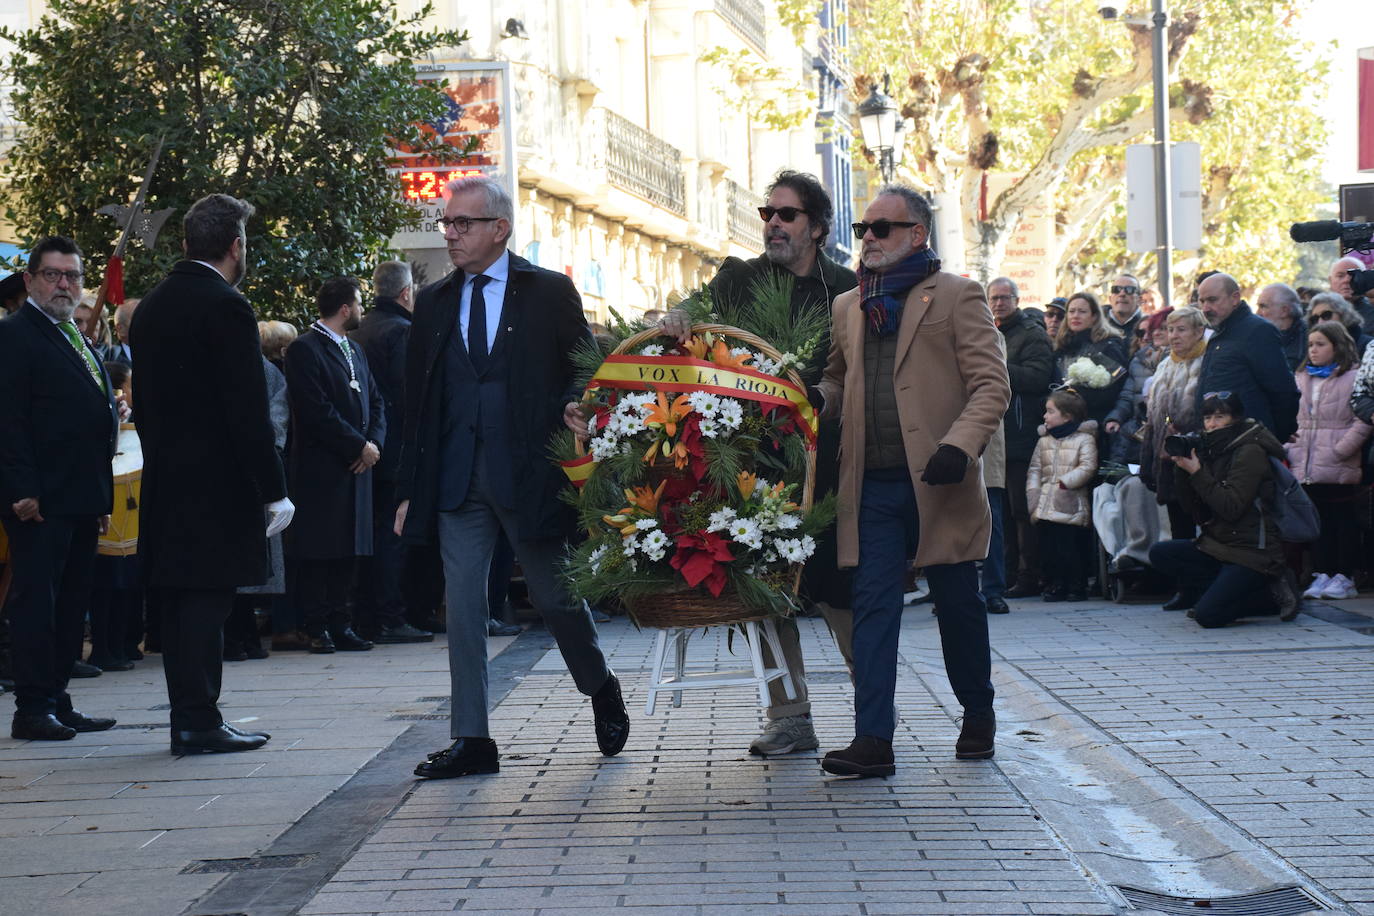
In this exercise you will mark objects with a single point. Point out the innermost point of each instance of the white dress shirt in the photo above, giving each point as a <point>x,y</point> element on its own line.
<point>493,294</point>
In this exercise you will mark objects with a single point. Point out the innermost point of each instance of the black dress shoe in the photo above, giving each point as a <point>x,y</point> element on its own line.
<point>865,756</point>
<point>977,736</point>
<point>1022,590</point>
<point>1076,594</point>
<point>1052,595</point>
<point>612,720</point>
<point>347,641</point>
<point>322,644</point>
<point>132,653</point>
<point>500,628</point>
<point>238,731</point>
<point>110,664</point>
<point>40,728</point>
<point>997,606</point>
<point>1179,602</point>
<point>403,633</point>
<point>220,740</point>
<point>235,653</point>
<point>255,650</point>
<point>434,623</point>
<point>73,718</point>
<point>81,669</point>
<point>466,757</point>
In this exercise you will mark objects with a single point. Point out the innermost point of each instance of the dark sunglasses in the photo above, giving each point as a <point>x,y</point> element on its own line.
<point>786,214</point>
<point>1324,316</point>
<point>1216,395</point>
<point>1128,290</point>
<point>880,228</point>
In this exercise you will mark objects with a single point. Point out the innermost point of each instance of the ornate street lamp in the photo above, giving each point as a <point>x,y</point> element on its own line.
<point>878,124</point>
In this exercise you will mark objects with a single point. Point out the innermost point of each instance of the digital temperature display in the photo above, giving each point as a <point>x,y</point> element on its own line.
<point>425,185</point>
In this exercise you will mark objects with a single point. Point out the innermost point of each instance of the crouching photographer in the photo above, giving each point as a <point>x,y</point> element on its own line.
<point>1223,477</point>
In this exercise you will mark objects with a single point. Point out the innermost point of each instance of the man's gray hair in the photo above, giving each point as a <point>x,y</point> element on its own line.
<point>1287,296</point>
<point>916,204</point>
<point>1009,283</point>
<point>212,224</point>
<point>498,201</point>
<point>391,278</point>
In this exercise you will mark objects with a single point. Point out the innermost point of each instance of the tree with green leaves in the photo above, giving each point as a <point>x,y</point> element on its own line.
<point>1051,92</point>
<point>293,105</point>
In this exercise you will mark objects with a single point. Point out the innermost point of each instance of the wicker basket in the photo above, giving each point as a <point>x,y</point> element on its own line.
<point>696,607</point>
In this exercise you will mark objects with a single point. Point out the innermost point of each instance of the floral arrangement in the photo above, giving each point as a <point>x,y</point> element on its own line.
<point>693,476</point>
<point>1087,374</point>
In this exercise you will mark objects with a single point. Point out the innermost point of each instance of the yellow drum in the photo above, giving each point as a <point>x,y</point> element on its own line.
<point>122,538</point>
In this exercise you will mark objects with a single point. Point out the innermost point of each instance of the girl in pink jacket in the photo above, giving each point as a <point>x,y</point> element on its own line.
<point>1325,455</point>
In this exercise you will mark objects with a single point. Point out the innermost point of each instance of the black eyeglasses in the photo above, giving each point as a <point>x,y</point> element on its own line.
<point>52,275</point>
<point>1128,290</point>
<point>1324,316</point>
<point>786,214</point>
<point>461,224</point>
<point>880,228</point>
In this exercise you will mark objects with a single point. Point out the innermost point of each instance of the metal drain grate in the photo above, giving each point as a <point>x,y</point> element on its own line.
<point>133,725</point>
<point>1279,901</point>
<point>432,699</point>
<point>251,863</point>
<point>418,717</point>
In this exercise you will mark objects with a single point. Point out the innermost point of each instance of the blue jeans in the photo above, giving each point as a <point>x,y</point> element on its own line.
<point>889,532</point>
<point>995,566</point>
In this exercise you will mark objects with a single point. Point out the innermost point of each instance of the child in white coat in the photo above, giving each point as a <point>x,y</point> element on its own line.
<point>1059,493</point>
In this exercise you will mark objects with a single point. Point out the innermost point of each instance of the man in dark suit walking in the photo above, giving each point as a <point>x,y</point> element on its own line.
<point>489,377</point>
<point>213,488</point>
<point>338,429</point>
<point>382,335</point>
<point>58,424</point>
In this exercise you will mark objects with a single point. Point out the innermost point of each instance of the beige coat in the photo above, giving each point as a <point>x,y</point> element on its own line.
<point>952,388</point>
<point>1072,461</point>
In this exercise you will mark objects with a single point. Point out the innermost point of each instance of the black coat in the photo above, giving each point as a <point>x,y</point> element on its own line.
<point>1030,367</point>
<point>330,425</point>
<point>57,427</point>
<point>209,460</point>
<point>541,324</point>
<point>382,335</point>
<point>1245,356</point>
<point>1109,352</point>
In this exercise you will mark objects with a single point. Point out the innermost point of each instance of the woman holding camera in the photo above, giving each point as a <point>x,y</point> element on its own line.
<point>1171,408</point>
<point>1223,477</point>
<point>1325,456</point>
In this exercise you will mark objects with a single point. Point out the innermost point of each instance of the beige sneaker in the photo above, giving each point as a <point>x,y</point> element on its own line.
<point>785,735</point>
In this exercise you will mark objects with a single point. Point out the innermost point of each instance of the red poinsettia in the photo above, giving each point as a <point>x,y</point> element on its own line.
<point>701,557</point>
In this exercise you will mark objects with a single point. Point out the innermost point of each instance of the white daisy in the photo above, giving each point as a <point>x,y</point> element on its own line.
<point>767,366</point>
<point>652,350</point>
<point>710,429</point>
<point>721,519</point>
<point>595,559</point>
<point>654,541</point>
<point>630,545</point>
<point>646,524</point>
<point>604,446</point>
<point>788,522</point>
<point>731,413</point>
<point>704,403</point>
<point>746,531</point>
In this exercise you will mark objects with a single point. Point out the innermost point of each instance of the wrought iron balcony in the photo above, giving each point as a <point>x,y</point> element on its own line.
<point>639,162</point>
<point>747,18</point>
<point>742,216</point>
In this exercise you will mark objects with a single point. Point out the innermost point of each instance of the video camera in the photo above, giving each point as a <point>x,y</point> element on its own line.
<point>1353,237</point>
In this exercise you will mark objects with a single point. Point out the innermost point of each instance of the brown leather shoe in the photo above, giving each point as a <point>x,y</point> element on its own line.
<point>865,756</point>
<point>977,737</point>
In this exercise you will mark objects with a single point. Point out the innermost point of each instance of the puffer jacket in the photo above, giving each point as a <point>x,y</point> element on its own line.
<point>1330,436</point>
<point>1225,495</point>
<point>1071,461</point>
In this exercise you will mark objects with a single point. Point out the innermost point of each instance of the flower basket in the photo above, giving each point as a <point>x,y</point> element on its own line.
<point>705,539</point>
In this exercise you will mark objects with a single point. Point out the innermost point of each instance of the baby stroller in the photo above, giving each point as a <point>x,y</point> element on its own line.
<point>1128,522</point>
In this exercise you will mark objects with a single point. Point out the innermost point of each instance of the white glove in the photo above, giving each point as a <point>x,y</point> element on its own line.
<point>279,515</point>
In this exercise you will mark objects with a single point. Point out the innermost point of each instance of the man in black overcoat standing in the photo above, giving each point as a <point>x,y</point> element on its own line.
<point>213,487</point>
<point>489,377</point>
<point>382,335</point>
<point>338,429</point>
<point>57,435</point>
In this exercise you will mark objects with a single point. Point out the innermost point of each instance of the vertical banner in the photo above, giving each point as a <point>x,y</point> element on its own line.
<point>1365,118</point>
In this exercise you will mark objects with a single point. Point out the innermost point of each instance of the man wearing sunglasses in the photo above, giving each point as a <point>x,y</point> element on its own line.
<point>917,377</point>
<point>1125,312</point>
<point>1245,356</point>
<point>796,223</point>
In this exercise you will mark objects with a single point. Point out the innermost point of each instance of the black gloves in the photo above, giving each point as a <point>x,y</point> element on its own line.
<point>947,465</point>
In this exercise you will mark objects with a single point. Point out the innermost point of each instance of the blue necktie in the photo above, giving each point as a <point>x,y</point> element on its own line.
<point>477,324</point>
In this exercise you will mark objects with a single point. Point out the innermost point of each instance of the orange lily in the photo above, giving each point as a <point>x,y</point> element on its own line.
<point>720,355</point>
<point>626,525</point>
<point>746,483</point>
<point>644,499</point>
<point>666,416</point>
<point>696,346</point>
<point>680,455</point>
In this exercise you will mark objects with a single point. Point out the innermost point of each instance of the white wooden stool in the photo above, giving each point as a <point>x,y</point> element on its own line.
<point>755,676</point>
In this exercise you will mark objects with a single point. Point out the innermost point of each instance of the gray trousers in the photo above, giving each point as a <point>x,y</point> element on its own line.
<point>467,540</point>
<point>841,623</point>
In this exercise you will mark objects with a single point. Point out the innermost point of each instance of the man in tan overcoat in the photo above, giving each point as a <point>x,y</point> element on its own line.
<point>917,378</point>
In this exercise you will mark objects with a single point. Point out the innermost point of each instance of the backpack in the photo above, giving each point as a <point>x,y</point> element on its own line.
<point>1292,509</point>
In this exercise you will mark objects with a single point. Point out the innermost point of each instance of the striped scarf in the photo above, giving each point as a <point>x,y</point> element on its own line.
<point>883,295</point>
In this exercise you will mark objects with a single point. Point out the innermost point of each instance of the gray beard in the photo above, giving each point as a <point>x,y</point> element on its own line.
<point>784,254</point>
<point>59,312</point>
